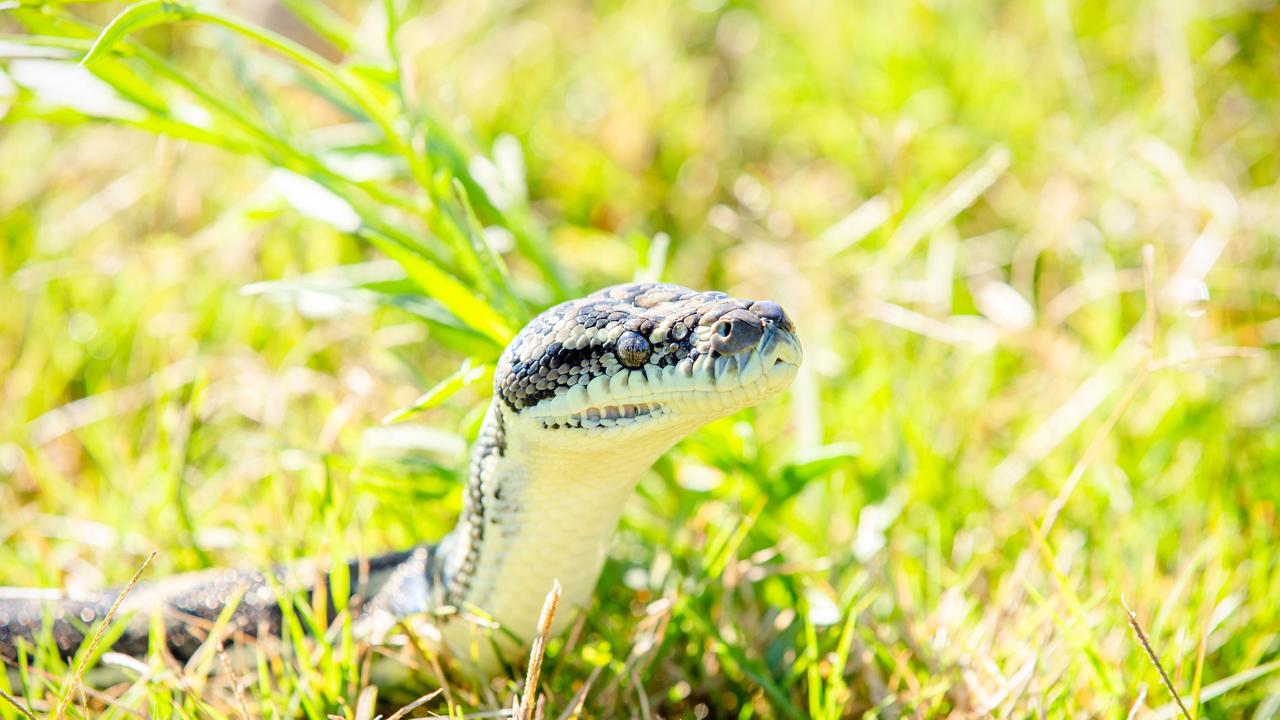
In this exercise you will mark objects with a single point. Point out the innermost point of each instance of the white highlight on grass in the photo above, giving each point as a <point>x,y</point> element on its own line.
<point>314,200</point>
<point>361,167</point>
<point>972,331</point>
<point>1003,305</point>
<point>7,90</point>
<point>854,227</point>
<point>509,159</point>
<point>873,521</point>
<point>1191,294</point>
<point>823,611</point>
<point>413,436</point>
<point>503,177</point>
<point>499,239</point>
<point>70,85</point>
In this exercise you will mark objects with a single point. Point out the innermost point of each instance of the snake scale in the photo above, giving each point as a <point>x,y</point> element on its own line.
<point>586,397</point>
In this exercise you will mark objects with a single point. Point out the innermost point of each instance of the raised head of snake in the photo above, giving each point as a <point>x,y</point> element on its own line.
<point>587,397</point>
<point>640,365</point>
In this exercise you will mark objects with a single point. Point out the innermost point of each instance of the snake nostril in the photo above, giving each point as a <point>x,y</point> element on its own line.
<point>773,312</point>
<point>736,331</point>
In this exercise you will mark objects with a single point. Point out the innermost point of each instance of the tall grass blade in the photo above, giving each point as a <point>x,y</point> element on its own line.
<point>138,16</point>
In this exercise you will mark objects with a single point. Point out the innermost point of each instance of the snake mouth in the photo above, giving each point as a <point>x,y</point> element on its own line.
<point>714,385</point>
<point>621,415</point>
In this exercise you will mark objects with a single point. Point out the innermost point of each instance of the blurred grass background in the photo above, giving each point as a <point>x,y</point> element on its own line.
<point>1001,430</point>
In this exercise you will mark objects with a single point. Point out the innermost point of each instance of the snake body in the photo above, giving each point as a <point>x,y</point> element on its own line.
<point>586,397</point>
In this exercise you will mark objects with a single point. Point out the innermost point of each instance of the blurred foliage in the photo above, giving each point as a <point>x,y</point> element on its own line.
<point>236,237</point>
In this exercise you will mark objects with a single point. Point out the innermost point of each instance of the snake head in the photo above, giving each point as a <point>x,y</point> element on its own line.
<point>645,357</point>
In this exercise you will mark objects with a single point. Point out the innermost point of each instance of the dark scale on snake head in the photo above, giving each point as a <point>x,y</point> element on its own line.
<point>624,325</point>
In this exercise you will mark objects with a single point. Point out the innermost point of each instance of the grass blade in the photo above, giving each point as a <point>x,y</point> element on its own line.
<point>137,16</point>
<point>450,291</point>
<point>465,376</point>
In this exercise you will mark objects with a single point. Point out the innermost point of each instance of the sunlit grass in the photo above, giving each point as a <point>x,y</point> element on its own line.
<point>232,249</point>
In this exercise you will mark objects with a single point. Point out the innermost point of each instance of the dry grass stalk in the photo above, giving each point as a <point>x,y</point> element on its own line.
<point>641,699</point>
<point>580,699</point>
<point>97,637</point>
<point>366,702</point>
<point>527,703</point>
<point>431,658</point>
<point>1137,702</point>
<point>1151,654</point>
<point>238,691</point>
<point>402,712</point>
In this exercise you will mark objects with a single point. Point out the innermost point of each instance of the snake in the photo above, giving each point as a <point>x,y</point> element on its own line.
<point>586,397</point>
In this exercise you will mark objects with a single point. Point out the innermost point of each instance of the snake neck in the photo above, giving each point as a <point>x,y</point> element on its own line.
<point>534,514</point>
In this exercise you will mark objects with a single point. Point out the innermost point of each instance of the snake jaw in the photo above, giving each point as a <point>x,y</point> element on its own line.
<point>607,417</point>
<point>684,395</point>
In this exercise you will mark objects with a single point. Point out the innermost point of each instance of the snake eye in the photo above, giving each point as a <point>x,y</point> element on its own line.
<point>735,331</point>
<point>633,349</point>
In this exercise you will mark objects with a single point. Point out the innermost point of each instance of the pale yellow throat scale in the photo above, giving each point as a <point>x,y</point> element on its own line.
<point>550,515</point>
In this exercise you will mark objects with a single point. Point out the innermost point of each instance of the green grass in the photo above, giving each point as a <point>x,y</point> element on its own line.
<point>228,255</point>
